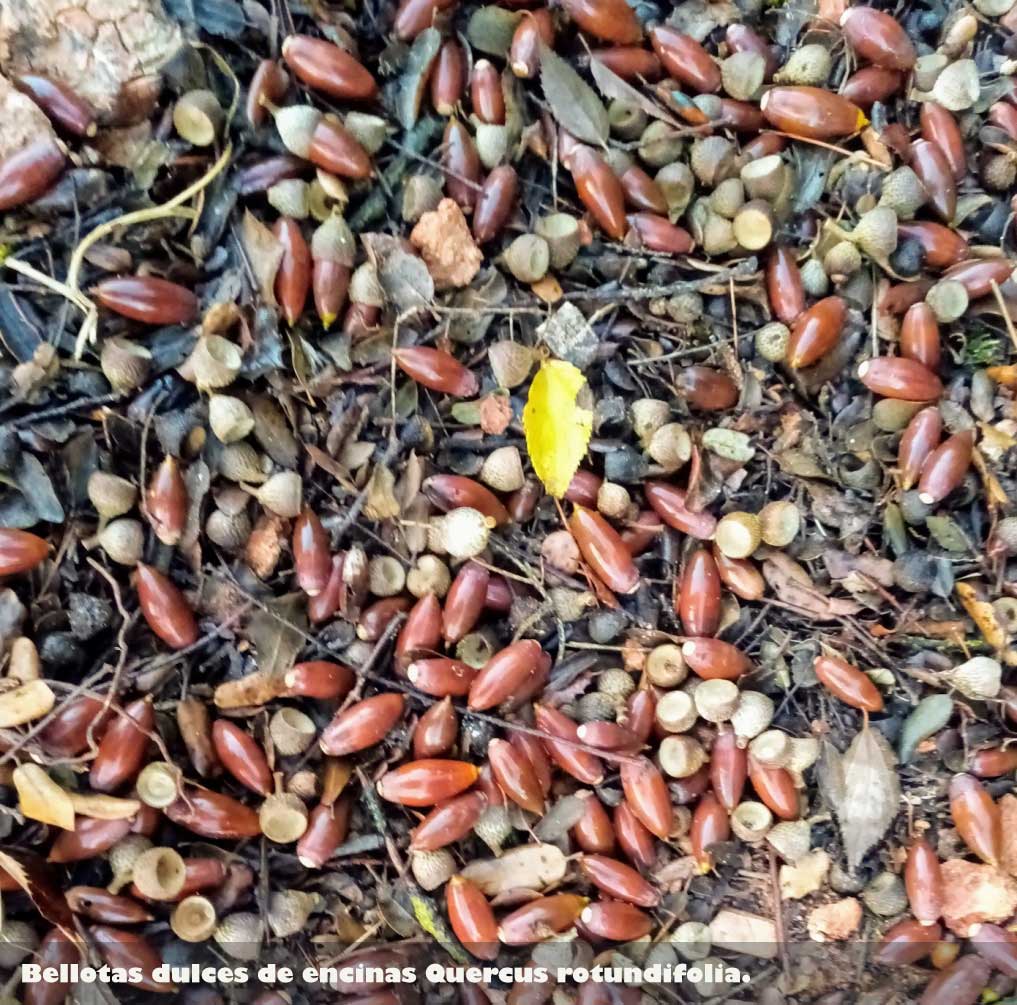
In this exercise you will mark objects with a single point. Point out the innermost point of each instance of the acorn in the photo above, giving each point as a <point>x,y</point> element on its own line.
<point>728,197</point>
<point>503,470</point>
<point>111,495</point>
<point>751,821</point>
<point>289,910</point>
<point>123,540</point>
<point>125,364</point>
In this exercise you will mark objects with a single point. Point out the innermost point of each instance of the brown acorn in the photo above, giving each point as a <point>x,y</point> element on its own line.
<point>946,467</point>
<point>166,502</point>
<point>604,550</point>
<point>65,108</point>
<point>165,609</point>
<point>242,757</point>
<point>815,332</point>
<point>847,682</point>
<point>918,442</point>
<point>327,68</point>
<point>600,190</point>
<point>427,782</point>
<point>685,59</point>
<point>20,551</point>
<point>471,918</point>
<point>811,112</point>
<point>437,370</point>
<point>976,817</point>
<point>608,20</point>
<point>647,796</point>
<point>30,172</point>
<point>362,725</point>
<point>923,881</point>
<point>896,377</point>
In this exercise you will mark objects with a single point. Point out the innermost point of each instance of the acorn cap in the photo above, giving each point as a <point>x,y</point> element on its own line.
<point>665,665</point>
<point>125,364</point>
<point>282,494</point>
<point>958,86</point>
<point>903,192</point>
<point>159,873</point>
<point>158,784</point>
<point>771,748</point>
<point>333,241</point>
<point>876,233</point>
<point>123,540</point>
<point>680,756</point>
<point>290,197</point>
<point>779,522</point>
<point>292,731</point>
<point>214,362</point>
<point>289,911</point>
<point>670,446</point>
<point>742,74</point>
<point>648,415</point>
<point>716,699</point>
<point>429,575</point>
<point>194,919</point>
<point>386,576</point>
<point>503,469</point>
<point>528,258</point>
<point>751,821</point>
<point>230,418</point>
<point>122,856</point>
<point>753,713</point>
<point>807,66</point>
<point>432,868</point>
<point>111,495</point>
<point>198,117</point>
<point>240,462</point>
<point>676,712</point>
<point>737,535</point>
<point>464,532</point>
<point>842,260</point>
<point>283,818</point>
<point>240,934</point>
<point>365,288</point>
<point>790,839</point>
<point>494,827</point>
<point>296,125</point>
<point>771,341</point>
<point>948,300</point>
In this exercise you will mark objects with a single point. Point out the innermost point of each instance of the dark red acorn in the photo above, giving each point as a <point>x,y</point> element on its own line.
<point>242,757</point>
<point>20,551</point>
<point>604,550</point>
<point>165,609</point>
<point>122,750</point>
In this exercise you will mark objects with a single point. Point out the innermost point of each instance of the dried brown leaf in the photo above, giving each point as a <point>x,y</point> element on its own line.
<point>870,794</point>
<point>278,643</point>
<point>614,88</point>
<point>263,252</point>
<point>793,585</point>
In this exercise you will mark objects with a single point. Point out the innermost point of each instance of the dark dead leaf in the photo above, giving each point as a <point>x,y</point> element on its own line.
<point>413,83</point>
<point>403,276</point>
<point>574,104</point>
<point>34,877</point>
<point>277,643</point>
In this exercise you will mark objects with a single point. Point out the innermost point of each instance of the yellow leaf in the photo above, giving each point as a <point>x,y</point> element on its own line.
<point>982,613</point>
<point>40,798</point>
<point>102,807</point>
<point>557,430</point>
